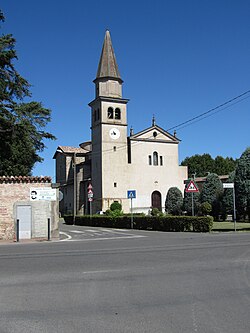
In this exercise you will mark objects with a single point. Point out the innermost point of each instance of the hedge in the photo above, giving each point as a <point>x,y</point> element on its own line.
<point>159,223</point>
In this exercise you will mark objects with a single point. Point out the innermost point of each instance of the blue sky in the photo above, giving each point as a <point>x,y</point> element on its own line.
<point>177,58</point>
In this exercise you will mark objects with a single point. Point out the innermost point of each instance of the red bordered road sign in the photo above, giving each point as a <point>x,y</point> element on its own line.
<point>191,187</point>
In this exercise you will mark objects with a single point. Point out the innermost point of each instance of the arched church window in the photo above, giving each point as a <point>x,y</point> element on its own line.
<point>155,158</point>
<point>161,160</point>
<point>110,113</point>
<point>117,113</point>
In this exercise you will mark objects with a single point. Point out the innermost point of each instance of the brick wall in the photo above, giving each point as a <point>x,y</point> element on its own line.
<point>16,191</point>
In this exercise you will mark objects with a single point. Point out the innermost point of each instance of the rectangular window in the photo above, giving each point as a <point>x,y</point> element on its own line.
<point>161,160</point>
<point>149,159</point>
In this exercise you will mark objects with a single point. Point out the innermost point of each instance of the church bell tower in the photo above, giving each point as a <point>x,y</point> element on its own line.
<point>108,131</point>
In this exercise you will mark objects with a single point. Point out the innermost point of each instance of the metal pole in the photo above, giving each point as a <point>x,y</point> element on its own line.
<point>192,204</point>
<point>48,229</point>
<point>90,208</point>
<point>17,230</point>
<point>194,174</point>
<point>74,188</point>
<point>132,213</point>
<point>234,210</point>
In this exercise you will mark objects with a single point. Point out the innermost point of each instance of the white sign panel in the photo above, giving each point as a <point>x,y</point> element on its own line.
<point>37,194</point>
<point>228,185</point>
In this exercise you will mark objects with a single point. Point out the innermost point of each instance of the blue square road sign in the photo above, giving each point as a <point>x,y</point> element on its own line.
<point>131,194</point>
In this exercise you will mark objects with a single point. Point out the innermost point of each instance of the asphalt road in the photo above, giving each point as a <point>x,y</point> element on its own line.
<point>127,281</point>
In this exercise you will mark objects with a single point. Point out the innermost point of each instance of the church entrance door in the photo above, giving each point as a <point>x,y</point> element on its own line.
<point>156,200</point>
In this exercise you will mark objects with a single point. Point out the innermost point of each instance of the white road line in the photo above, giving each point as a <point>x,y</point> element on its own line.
<point>77,231</point>
<point>64,233</point>
<point>104,238</point>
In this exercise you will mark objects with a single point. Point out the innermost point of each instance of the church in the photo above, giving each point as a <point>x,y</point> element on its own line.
<point>117,166</point>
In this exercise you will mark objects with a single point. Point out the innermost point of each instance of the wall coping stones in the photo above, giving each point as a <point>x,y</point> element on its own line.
<point>24,179</point>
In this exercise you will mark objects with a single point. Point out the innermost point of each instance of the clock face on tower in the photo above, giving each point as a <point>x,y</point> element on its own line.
<point>114,133</point>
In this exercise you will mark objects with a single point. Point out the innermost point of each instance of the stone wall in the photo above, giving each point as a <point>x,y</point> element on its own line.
<point>15,191</point>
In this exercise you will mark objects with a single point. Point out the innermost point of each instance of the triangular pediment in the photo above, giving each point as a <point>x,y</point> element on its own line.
<point>155,134</point>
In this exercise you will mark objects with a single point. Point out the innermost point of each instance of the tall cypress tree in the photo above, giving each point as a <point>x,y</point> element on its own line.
<point>212,193</point>
<point>242,185</point>
<point>228,205</point>
<point>174,201</point>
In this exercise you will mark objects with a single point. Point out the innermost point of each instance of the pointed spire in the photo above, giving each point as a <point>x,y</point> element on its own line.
<point>107,65</point>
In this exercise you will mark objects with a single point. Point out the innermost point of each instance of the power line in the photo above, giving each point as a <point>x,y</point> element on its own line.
<point>186,123</point>
<point>211,110</point>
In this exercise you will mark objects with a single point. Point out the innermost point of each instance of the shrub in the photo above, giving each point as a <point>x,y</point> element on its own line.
<point>68,219</point>
<point>115,206</point>
<point>212,193</point>
<point>205,208</point>
<point>156,212</point>
<point>161,223</point>
<point>174,201</point>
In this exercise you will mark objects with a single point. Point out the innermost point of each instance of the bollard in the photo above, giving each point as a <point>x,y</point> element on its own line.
<point>48,229</point>
<point>17,230</point>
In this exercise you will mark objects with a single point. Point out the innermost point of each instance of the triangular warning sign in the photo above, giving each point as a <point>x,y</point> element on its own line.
<point>192,187</point>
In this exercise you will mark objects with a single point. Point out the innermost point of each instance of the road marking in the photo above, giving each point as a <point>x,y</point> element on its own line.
<point>76,231</point>
<point>64,233</point>
<point>101,238</point>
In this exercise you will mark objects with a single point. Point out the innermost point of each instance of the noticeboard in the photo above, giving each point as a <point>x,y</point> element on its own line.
<point>47,194</point>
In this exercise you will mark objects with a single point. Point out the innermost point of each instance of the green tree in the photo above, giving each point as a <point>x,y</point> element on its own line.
<point>205,208</point>
<point>200,165</point>
<point>174,201</point>
<point>224,166</point>
<point>115,206</point>
<point>228,205</point>
<point>115,210</point>
<point>212,193</point>
<point>21,124</point>
<point>187,202</point>
<point>242,185</point>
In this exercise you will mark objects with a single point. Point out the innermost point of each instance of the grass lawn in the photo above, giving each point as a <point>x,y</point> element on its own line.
<point>228,226</point>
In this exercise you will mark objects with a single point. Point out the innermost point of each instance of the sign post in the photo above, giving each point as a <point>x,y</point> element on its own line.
<point>192,188</point>
<point>231,185</point>
<point>90,198</point>
<point>131,195</point>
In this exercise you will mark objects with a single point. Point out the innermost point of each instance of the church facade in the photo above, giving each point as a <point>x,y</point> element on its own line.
<point>113,162</point>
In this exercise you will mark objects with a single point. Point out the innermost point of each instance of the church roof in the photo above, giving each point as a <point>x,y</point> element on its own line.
<point>155,134</point>
<point>107,65</point>
<point>70,150</point>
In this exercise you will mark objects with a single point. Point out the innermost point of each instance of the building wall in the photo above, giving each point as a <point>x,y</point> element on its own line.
<point>142,177</point>
<point>14,193</point>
